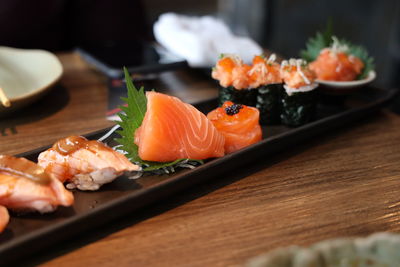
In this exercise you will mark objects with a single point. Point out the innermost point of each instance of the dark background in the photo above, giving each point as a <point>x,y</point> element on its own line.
<point>283,26</point>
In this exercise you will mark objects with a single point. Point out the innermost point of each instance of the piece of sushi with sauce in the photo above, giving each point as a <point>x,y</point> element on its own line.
<point>299,97</point>
<point>234,79</point>
<point>265,76</point>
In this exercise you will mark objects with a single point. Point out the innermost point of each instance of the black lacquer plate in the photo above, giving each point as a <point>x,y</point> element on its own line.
<point>31,233</point>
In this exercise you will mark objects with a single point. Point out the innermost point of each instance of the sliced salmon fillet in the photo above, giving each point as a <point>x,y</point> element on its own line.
<point>238,123</point>
<point>84,164</point>
<point>173,130</point>
<point>21,191</point>
<point>4,218</point>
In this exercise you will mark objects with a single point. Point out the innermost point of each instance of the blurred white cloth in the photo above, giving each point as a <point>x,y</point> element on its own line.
<point>200,40</point>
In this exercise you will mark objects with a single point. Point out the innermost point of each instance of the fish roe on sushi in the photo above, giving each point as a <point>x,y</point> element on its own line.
<point>299,97</point>
<point>238,123</point>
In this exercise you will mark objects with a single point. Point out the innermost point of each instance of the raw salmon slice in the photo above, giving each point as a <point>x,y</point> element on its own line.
<point>4,218</point>
<point>238,123</point>
<point>173,130</point>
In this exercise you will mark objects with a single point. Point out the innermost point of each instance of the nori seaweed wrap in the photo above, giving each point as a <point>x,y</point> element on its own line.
<point>246,97</point>
<point>298,108</point>
<point>299,97</point>
<point>269,103</point>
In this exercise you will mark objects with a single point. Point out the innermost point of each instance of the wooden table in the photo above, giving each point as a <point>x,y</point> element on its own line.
<point>346,183</point>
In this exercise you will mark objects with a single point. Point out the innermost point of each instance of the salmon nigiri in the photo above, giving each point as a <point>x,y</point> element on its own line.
<point>25,186</point>
<point>84,164</point>
<point>238,123</point>
<point>172,129</point>
<point>4,218</point>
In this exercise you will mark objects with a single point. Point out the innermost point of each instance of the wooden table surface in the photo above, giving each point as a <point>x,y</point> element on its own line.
<point>346,183</point>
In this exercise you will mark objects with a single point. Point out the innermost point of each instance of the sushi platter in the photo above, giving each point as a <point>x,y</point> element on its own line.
<point>28,234</point>
<point>161,145</point>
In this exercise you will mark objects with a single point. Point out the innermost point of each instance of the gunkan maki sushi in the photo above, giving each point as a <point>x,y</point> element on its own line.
<point>266,78</point>
<point>233,78</point>
<point>299,97</point>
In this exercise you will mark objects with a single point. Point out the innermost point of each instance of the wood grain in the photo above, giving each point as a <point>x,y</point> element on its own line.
<point>342,184</point>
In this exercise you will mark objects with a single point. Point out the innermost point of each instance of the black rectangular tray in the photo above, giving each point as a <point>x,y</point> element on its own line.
<point>30,233</point>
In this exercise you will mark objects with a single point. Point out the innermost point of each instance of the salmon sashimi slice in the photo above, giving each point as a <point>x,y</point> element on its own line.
<point>336,66</point>
<point>4,218</point>
<point>84,164</point>
<point>238,123</point>
<point>25,186</point>
<point>172,129</point>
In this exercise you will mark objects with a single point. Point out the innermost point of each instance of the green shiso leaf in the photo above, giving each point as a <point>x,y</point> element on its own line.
<point>323,40</point>
<point>132,116</point>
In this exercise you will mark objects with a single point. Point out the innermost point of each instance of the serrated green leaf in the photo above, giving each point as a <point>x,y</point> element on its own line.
<point>322,40</point>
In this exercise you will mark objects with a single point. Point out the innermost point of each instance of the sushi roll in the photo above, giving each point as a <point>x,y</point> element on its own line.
<point>238,123</point>
<point>266,78</point>
<point>233,78</point>
<point>299,97</point>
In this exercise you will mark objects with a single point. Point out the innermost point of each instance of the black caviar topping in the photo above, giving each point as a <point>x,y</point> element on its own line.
<point>234,109</point>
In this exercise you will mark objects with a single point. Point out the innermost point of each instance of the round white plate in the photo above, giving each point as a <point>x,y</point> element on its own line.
<point>26,74</point>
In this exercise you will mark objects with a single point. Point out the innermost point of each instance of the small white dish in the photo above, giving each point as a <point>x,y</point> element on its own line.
<point>338,87</point>
<point>26,74</point>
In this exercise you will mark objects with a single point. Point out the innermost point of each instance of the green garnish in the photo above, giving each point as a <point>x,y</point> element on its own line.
<point>132,116</point>
<point>325,39</point>
<point>315,44</point>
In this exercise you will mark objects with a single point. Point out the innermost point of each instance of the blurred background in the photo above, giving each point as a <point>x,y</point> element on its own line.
<point>282,26</point>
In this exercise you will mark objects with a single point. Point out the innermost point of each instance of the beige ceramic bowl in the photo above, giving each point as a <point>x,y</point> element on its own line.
<point>377,250</point>
<point>25,75</point>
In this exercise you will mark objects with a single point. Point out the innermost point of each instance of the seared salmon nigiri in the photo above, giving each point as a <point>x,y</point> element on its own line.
<point>25,186</point>
<point>84,164</point>
<point>4,218</point>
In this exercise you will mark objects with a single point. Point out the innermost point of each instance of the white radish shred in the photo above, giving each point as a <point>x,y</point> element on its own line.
<point>110,132</point>
<point>271,58</point>
<point>298,65</point>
